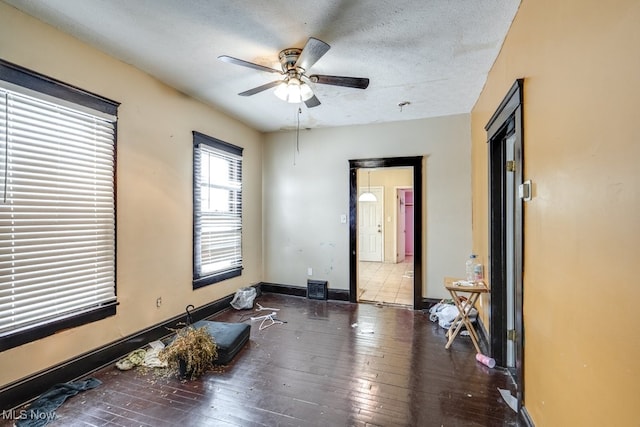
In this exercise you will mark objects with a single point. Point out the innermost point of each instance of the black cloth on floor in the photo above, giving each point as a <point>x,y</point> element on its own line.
<point>43,409</point>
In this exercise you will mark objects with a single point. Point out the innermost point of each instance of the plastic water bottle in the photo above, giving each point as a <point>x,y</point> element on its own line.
<point>478,272</point>
<point>469,267</point>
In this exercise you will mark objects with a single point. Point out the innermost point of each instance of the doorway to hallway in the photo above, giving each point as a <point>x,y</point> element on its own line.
<point>385,237</point>
<point>404,285</point>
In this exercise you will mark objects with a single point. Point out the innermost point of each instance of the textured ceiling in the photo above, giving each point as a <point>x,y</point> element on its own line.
<point>434,54</point>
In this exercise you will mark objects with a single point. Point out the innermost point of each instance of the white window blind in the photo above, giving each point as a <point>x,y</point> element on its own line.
<point>57,211</point>
<point>218,210</point>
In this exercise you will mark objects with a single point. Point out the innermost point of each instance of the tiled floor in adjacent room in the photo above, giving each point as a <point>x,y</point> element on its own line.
<point>386,283</point>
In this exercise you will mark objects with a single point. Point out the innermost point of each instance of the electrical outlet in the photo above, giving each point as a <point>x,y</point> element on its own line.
<point>309,271</point>
<point>159,302</point>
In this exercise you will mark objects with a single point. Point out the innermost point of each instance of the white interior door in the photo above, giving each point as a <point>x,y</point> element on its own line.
<point>401,231</point>
<point>370,226</point>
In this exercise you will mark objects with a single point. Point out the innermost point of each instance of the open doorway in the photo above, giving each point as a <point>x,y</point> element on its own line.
<point>385,270</point>
<point>409,269</point>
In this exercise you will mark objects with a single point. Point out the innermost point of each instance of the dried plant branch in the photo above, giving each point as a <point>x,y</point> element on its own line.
<point>195,348</point>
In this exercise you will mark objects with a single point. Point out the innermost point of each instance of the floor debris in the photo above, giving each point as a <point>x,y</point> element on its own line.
<point>43,410</point>
<point>509,399</point>
<point>268,320</point>
<point>133,359</point>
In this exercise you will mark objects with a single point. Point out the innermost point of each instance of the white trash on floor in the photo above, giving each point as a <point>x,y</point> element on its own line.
<point>445,313</point>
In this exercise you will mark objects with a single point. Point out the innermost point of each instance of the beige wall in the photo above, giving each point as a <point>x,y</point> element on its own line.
<point>581,66</point>
<point>309,190</point>
<point>154,176</point>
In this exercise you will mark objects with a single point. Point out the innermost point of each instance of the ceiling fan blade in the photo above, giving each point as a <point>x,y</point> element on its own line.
<point>312,102</point>
<point>232,60</point>
<point>312,51</point>
<point>354,82</point>
<point>260,88</point>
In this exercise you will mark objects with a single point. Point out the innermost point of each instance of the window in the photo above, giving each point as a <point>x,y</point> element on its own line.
<point>57,206</point>
<point>217,210</point>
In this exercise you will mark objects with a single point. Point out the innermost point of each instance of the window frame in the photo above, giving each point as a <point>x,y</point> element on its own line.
<point>201,280</point>
<point>64,94</point>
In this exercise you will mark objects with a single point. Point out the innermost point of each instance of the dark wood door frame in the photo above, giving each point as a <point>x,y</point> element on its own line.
<point>416,164</point>
<point>507,120</point>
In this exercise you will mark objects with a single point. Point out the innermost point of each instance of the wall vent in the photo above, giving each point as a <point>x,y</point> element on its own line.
<point>317,289</point>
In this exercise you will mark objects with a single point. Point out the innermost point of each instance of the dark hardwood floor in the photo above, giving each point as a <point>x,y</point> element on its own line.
<point>331,364</point>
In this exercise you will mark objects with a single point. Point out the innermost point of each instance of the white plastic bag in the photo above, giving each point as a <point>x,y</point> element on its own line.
<point>445,314</point>
<point>243,298</point>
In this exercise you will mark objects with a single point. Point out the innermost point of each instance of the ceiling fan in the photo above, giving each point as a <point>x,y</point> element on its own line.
<point>295,63</point>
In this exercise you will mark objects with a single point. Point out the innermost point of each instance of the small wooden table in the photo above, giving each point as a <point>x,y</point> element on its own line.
<point>464,308</point>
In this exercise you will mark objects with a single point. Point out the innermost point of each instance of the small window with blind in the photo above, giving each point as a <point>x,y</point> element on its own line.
<point>57,206</point>
<point>217,210</point>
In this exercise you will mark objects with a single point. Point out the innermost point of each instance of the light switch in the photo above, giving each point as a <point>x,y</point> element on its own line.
<point>524,191</point>
<point>343,219</point>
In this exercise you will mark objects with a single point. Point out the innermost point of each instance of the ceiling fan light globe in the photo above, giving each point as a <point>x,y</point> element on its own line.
<point>305,92</point>
<point>293,91</point>
<point>281,91</point>
<point>293,94</point>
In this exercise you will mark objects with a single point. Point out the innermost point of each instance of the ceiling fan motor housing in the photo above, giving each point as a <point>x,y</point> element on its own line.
<point>288,59</point>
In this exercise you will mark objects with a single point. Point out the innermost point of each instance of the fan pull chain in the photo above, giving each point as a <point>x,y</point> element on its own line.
<point>297,145</point>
